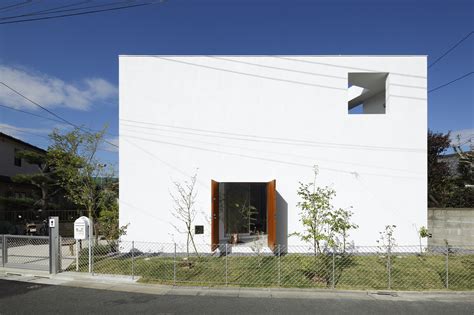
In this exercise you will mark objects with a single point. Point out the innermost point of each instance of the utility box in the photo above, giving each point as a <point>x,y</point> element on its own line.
<point>81,228</point>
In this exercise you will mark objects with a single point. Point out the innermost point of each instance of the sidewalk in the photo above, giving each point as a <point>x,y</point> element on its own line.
<point>126,284</point>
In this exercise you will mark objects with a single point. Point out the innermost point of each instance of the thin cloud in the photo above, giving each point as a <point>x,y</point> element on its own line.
<point>52,92</point>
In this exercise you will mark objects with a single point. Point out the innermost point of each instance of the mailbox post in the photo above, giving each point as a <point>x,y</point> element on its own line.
<point>81,232</point>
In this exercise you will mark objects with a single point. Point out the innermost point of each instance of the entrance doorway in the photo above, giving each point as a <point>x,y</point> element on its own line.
<point>243,212</point>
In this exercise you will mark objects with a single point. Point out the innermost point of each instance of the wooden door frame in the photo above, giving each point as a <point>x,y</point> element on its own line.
<point>214,215</point>
<point>271,214</point>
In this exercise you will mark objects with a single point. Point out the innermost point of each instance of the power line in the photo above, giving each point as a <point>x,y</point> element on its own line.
<point>255,138</point>
<point>265,151</point>
<point>52,119</point>
<point>24,131</point>
<point>46,10</point>
<point>343,66</point>
<point>450,82</point>
<point>260,158</point>
<point>51,112</point>
<point>169,165</point>
<point>80,13</point>
<point>204,142</point>
<point>174,167</point>
<point>278,68</point>
<point>249,74</point>
<point>37,104</point>
<point>30,113</point>
<point>451,49</point>
<point>292,81</point>
<point>15,6</point>
<point>42,136</point>
<point>56,9</point>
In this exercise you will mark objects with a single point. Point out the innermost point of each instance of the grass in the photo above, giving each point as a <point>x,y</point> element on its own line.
<point>408,272</point>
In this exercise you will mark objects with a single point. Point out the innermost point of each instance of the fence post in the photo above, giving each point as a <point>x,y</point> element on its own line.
<point>78,244</point>
<point>92,259</point>
<point>133,256</point>
<point>226,266</point>
<point>447,266</point>
<point>279,264</point>
<point>60,254</point>
<point>91,252</point>
<point>4,250</point>
<point>174,265</point>
<point>389,266</point>
<point>333,284</point>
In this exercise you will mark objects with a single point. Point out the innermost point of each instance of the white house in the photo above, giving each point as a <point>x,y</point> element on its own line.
<point>252,127</point>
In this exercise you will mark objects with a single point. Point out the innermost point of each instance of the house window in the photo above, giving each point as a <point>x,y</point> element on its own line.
<point>366,92</point>
<point>17,159</point>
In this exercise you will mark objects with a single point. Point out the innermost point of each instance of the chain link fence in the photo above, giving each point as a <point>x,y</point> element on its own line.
<point>26,252</point>
<point>369,267</point>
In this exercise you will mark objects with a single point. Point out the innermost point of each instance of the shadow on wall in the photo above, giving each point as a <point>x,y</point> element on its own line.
<point>282,222</point>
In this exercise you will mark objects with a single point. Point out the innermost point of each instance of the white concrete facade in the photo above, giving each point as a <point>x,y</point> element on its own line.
<point>259,118</point>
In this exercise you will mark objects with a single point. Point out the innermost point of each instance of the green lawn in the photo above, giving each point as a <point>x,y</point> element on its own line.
<point>409,272</point>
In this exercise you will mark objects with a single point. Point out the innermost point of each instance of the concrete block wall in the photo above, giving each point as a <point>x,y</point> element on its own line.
<point>456,225</point>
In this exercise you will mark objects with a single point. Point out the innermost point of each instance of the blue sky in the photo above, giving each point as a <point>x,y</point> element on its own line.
<point>70,65</point>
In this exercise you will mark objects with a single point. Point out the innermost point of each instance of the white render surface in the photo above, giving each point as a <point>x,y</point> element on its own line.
<point>274,117</point>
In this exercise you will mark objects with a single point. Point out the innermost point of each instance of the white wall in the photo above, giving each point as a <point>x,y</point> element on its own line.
<point>375,104</point>
<point>376,163</point>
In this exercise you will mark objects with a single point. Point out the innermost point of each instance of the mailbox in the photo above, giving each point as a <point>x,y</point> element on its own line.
<point>81,228</point>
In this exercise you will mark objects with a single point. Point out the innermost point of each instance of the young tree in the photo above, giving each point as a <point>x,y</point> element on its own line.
<point>108,219</point>
<point>73,156</point>
<point>320,221</point>
<point>422,233</point>
<point>184,199</point>
<point>315,206</point>
<point>339,224</point>
<point>387,239</point>
<point>324,226</point>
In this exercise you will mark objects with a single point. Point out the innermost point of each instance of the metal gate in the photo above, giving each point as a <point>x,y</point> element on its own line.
<point>25,252</point>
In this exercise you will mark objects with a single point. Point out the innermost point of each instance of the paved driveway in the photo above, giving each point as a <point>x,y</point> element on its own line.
<point>36,256</point>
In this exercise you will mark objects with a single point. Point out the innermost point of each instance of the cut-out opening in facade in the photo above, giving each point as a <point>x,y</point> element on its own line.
<point>243,212</point>
<point>366,92</point>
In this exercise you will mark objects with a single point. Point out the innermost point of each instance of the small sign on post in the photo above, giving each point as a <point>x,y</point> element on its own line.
<point>81,232</point>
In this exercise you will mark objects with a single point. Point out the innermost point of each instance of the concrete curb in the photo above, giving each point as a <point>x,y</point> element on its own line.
<point>126,284</point>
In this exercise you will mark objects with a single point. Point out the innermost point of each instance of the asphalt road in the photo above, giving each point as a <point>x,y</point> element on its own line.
<point>23,297</point>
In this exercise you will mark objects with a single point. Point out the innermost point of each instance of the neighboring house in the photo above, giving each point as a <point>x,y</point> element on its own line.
<point>253,127</point>
<point>11,165</point>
